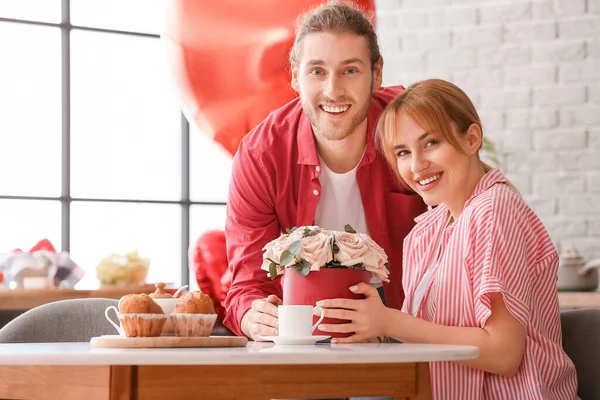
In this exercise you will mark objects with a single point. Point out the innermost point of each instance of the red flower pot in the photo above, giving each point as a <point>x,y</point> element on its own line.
<point>328,283</point>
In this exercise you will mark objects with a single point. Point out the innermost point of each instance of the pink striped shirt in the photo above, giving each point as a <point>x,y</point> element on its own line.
<point>498,245</point>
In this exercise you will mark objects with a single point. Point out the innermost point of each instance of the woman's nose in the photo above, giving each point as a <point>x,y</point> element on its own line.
<point>418,163</point>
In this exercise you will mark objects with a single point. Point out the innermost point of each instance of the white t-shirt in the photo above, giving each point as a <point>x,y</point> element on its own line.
<point>341,204</point>
<point>421,288</point>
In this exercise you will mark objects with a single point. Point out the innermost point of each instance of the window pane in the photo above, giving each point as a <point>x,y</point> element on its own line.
<point>30,104</point>
<point>35,10</point>
<point>101,229</point>
<point>126,123</point>
<point>210,168</point>
<point>25,222</point>
<point>204,219</point>
<point>145,16</point>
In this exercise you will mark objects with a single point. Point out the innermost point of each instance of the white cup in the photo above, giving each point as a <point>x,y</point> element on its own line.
<point>296,320</point>
<point>116,325</point>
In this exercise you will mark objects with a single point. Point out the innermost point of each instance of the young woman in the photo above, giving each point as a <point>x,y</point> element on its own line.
<point>479,269</point>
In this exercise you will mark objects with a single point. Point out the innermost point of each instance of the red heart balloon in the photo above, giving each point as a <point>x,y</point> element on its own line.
<point>230,60</point>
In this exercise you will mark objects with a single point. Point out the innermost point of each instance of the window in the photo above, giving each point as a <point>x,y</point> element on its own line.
<point>97,156</point>
<point>30,103</point>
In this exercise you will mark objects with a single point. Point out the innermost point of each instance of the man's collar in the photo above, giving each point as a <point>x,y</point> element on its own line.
<point>307,147</point>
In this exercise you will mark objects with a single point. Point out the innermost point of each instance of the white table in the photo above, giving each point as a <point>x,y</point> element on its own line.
<point>257,371</point>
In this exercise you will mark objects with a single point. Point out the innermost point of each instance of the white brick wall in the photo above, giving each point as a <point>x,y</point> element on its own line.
<point>532,68</point>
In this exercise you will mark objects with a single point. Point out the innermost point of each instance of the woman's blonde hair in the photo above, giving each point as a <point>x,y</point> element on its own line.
<point>434,104</point>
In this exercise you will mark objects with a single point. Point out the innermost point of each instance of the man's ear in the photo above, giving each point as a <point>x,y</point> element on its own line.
<point>295,85</point>
<point>378,74</point>
<point>473,139</point>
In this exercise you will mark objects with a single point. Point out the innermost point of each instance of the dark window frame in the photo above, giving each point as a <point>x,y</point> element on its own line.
<point>65,198</point>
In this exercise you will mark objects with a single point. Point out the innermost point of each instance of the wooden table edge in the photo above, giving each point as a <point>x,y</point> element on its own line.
<point>123,382</point>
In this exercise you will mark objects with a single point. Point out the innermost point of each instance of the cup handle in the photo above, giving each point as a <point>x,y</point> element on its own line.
<point>117,327</point>
<point>322,312</point>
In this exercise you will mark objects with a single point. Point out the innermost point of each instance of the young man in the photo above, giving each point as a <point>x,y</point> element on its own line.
<point>314,161</point>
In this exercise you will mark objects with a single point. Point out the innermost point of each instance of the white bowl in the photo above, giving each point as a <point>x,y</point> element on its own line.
<point>168,306</point>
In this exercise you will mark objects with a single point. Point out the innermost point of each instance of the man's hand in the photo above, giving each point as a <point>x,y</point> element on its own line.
<point>261,319</point>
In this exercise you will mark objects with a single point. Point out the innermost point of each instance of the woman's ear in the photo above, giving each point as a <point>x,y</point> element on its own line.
<point>473,139</point>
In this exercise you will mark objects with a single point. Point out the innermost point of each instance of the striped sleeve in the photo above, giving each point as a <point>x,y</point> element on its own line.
<point>502,262</point>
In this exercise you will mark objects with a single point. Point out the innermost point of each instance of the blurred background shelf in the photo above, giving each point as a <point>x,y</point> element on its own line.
<point>23,300</point>
<point>579,299</point>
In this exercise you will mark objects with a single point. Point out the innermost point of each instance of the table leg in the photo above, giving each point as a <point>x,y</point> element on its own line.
<point>423,383</point>
<point>122,382</point>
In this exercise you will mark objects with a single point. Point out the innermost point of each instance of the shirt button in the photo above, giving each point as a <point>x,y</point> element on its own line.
<point>318,168</point>
<point>316,192</point>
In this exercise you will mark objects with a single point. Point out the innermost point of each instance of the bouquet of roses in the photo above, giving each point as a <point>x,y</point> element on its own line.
<point>310,248</point>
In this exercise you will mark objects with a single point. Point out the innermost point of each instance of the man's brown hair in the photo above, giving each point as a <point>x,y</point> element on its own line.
<point>337,17</point>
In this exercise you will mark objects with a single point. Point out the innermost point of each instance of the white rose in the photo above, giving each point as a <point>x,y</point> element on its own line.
<point>316,250</point>
<point>380,256</point>
<point>381,273</point>
<point>360,248</point>
<point>273,250</point>
<point>352,249</point>
<point>298,233</point>
<point>378,268</point>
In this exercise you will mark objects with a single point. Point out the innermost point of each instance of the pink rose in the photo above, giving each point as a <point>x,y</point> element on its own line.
<point>273,251</point>
<point>378,268</point>
<point>298,233</point>
<point>360,248</point>
<point>353,249</point>
<point>316,250</point>
<point>375,249</point>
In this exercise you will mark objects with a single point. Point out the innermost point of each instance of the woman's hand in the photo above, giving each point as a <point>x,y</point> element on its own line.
<point>368,317</point>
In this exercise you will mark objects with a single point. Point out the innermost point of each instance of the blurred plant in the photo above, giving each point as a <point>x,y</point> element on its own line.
<point>122,270</point>
<point>490,153</point>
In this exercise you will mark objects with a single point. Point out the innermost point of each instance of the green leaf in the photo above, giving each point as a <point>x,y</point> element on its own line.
<point>488,145</point>
<point>335,264</point>
<point>286,258</point>
<point>308,232</point>
<point>349,229</point>
<point>490,152</point>
<point>303,267</point>
<point>295,247</point>
<point>273,270</point>
<point>336,249</point>
<point>288,230</point>
<point>387,264</point>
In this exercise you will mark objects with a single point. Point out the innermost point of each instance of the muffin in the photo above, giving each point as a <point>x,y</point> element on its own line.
<point>194,315</point>
<point>141,316</point>
<point>195,303</point>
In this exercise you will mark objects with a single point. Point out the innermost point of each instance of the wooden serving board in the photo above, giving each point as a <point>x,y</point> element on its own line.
<point>117,341</point>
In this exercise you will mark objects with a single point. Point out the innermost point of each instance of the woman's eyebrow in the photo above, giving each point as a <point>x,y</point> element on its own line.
<point>421,138</point>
